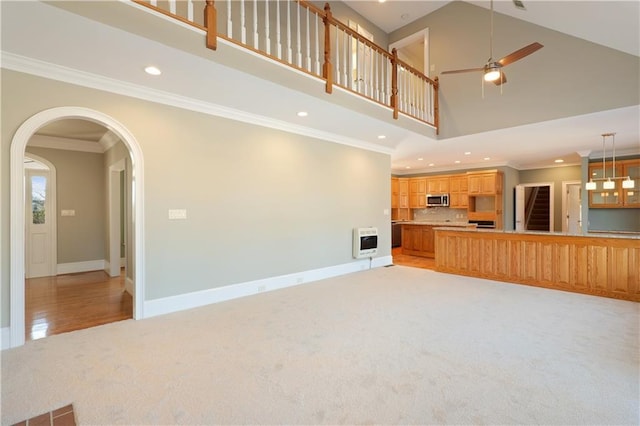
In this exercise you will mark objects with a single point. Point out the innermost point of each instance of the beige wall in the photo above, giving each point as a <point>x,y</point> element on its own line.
<point>260,202</point>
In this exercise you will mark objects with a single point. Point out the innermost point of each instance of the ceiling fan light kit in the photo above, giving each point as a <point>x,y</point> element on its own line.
<point>493,69</point>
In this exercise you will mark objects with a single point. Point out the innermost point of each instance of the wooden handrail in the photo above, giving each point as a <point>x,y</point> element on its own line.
<point>367,73</point>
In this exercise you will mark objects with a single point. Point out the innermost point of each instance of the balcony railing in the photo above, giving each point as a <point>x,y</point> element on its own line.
<point>300,35</point>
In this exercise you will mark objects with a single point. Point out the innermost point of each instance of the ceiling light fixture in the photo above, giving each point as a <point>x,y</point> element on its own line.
<point>151,70</point>
<point>487,158</point>
<point>559,160</point>
<point>303,114</point>
<point>609,182</point>
<point>382,137</point>
<point>467,153</point>
<point>492,72</point>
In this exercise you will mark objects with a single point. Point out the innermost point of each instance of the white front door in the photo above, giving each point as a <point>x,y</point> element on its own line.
<point>39,219</point>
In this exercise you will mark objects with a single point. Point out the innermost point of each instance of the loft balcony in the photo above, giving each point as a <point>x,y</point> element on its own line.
<point>312,43</point>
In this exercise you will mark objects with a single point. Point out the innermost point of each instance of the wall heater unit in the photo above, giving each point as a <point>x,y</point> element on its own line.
<point>365,242</point>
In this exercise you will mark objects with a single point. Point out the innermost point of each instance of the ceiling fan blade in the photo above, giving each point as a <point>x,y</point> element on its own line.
<point>461,71</point>
<point>519,54</point>
<point>519,4</point>
<point>501,80</point>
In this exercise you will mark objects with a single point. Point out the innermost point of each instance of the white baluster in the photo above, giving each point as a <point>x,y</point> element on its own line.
<point>289,50</point>
<point>256,38</point>
<point>154,2</point>
<point>266,27</point>
<point>190,11</point>
<point>278,40</point>
<point>243,27</point>
<point>308,53</point>
<point>317,46</point>
<point>298,47</point>
<point>229,21</point>
<point>172,6</point>
<point>337,64</point>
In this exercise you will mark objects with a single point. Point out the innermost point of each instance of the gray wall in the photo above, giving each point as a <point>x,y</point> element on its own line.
<point>80,187</point>
<point>260,202</point>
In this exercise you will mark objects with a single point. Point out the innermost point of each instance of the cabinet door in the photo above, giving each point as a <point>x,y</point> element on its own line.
<point>474,184</point>
<point>488,184</point>
<point>394,193</point>
<point>428,241</point>
<point>417,193</point>
<point>631,196</point>
<point>403,193</point>
<point>600,197</point>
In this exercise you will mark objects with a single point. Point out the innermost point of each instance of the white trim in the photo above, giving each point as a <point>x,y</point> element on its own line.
<point>128,285</point>
<point>17,215</point>
<point>5,338</point>
<point>220,294</point>
<point>551,200</point>
<point>422,35</point>
<point>113,212</point>
<point>86,266</point>
<point>565,184</point>
<point>94,81</point>
<point>54,142</point>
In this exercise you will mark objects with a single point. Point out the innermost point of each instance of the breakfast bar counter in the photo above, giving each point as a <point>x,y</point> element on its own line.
<point>598,264</point>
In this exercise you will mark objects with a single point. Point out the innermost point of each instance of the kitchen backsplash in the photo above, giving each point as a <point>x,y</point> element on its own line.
<point>435,214</point>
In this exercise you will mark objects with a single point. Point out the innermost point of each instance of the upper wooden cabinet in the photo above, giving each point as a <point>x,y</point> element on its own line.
<point>459,192</point>
<point>438,185</point>
<point>395,188</point>
<point>403,193</point>
<point>618,197</point>
<point>417,193</point>
<point>485,183</point>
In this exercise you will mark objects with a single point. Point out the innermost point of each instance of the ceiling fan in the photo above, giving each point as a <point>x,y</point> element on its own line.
<point>493,69</point>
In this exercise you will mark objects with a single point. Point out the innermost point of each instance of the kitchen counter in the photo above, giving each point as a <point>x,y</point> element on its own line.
<point>599,234</point>
<point>598,264</point>
<point>434,223</point>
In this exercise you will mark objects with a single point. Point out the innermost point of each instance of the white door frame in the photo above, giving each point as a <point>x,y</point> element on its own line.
<point>551,201</point>
<point>17,214</point>
<point>53,213</point>
<point>114,218</point>
<point>565,205</point>
<point>420,35</point>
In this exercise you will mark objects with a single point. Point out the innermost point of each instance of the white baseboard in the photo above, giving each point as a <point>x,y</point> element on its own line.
<point>181,302</point>
<point>75,267</point>
<point>128,285</point>
<point>123,262</point>
<point>5,338</point>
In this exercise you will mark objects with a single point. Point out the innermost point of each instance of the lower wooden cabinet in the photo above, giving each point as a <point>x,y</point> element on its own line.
<point>418,240</point>
<point>598,266</point>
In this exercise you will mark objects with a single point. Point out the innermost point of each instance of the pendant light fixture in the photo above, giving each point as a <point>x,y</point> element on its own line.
<point>609,182</point>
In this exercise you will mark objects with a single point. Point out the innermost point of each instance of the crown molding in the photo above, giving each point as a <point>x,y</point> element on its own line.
<point>81,78</point>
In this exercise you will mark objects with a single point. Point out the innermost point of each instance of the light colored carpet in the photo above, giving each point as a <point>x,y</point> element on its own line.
<point>386,346</point>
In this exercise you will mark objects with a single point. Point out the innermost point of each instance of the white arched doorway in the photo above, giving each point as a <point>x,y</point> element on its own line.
<point>17,214</point>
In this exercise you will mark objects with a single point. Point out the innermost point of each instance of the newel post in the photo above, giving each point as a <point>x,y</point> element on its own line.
<point>394,82</point>
<point>327,71</point>
<point>210,21</point>
<point>436,107</point>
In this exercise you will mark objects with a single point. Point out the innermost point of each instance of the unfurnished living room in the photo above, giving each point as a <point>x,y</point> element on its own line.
<point>299,212</point>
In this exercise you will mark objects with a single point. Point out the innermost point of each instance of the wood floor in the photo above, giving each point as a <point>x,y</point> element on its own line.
<point>415,261</point>
<point>63,303</point>
<point>71,302</point>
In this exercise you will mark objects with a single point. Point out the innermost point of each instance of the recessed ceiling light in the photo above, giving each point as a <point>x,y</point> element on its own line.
<point>467,153</point>
<point>407,167</point>
<point>151,70</point>
<point>487,158</point>
<point>381,1</point>
<point>420,159</point>
<point>431,164</point>
<point>405,16</point>
<point>382,137</point>
<point>559,160</point>
<point>457,161</point>
<point>303,114</point>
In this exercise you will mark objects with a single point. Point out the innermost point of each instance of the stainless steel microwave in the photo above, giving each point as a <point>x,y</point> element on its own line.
<point>437,200</point>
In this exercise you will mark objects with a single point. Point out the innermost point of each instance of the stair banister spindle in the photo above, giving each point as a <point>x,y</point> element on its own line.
<point>289,51</point>
<point>298,47</point>
<point>154,3</point>
<point>339,66</point>
<point>346,59</point>
<point>172,6</point>
<point>229,20</point>
<point>190,10</point>
<point>243,26</point>
<point>256,38</point>
<point>308,52</point>
<point>317,46</point>
<point>267,28</point>
<point>278,34</point>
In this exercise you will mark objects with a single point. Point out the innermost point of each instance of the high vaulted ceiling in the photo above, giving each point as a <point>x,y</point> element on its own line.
<point>114,52</point>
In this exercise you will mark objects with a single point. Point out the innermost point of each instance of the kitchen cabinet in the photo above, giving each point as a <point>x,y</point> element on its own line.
<point>485,183</point>
<point>400,199</point>
<point>438,185</point>
<point>417,193</point>
<point>395,188</point>
<point>618,197</point>
<point>459,192</point>
<point>403,193</point>
<point>418,240</point>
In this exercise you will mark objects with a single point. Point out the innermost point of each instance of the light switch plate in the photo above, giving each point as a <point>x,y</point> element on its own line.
<point>67,212</point>
<point>177,214</point>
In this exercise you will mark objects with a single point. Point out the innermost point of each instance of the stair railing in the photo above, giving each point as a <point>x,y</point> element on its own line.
<point>311,40</point>
<point>531,202</point>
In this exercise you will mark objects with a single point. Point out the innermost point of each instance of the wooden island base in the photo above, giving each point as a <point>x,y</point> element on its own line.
<point>606,266</point>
